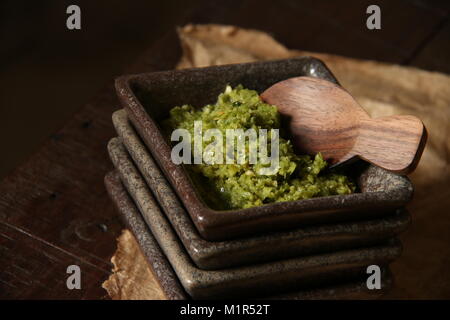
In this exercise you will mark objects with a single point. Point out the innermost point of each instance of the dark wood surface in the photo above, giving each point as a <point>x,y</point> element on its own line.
<point>54,210</point>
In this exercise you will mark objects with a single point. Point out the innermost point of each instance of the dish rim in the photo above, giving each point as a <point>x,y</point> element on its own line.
<point>226,224</point>
<point>210,255</point>
<point>166,276</point>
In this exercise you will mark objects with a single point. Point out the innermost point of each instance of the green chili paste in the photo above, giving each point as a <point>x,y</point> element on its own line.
<point>239,185</point>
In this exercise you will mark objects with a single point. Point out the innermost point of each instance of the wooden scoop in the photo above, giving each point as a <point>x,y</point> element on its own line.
<point>325,118</point>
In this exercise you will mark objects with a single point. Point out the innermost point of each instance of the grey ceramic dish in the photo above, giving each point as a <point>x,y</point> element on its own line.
<point>168,280</point>
<point>158,263</point>
<point>148,98</point>
<point>224,254</point>
<point>261,279</point>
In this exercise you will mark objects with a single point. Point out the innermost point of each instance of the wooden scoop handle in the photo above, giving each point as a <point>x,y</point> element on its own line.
<point>394,143</point>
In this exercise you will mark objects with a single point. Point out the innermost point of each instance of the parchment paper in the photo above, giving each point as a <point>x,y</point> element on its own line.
<point>382,89</point>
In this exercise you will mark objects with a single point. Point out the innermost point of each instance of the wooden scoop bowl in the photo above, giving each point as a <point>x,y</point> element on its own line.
<point>325,118</point>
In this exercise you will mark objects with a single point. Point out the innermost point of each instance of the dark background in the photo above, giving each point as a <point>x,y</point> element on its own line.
<point>56,100</point>
<point>47,71</point>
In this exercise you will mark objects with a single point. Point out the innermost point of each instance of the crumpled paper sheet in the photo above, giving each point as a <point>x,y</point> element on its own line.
<point>382,89</point>
<point>131,277</point>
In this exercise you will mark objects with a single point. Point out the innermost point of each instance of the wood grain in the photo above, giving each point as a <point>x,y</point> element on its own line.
<point>323,117</point>
<point>38,199</point>
<point>57,206</point>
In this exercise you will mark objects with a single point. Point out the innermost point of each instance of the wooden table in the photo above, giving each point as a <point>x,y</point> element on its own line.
<point>54,210</point>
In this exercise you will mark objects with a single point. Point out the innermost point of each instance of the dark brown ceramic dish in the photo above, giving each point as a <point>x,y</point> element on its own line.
<point>168,280</point>
<point>266,278</point>
<point>148,98</point>
<point>224,254</point>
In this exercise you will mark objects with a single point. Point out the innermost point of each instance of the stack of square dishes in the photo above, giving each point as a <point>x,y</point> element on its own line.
<point>317,248</point>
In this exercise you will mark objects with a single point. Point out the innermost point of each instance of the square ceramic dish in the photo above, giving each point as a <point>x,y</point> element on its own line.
<point>262,279</point>
<point>168,279</point>
<point>148,98</point>
<point>237,252</point>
